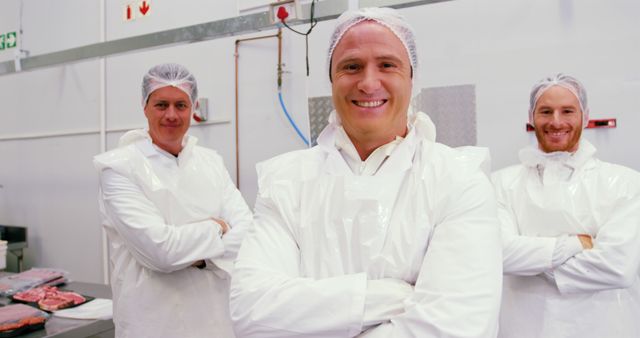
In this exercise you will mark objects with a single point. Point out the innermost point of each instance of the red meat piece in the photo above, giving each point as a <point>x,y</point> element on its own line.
<point>32,320</point>
<point>54,303</point>
<point>10,326</point>
<point>31,296</point>
<point>76,298</point>
<point>36,294</point>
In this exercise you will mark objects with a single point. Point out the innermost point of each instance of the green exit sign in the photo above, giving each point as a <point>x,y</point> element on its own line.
<point>8,40</point>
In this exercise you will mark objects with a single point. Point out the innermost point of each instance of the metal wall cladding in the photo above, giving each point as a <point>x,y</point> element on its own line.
<point>453,111</point>
<point>319,110</point>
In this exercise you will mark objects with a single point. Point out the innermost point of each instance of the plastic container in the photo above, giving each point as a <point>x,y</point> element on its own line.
<point>9,285</point>
<point>18,319</point>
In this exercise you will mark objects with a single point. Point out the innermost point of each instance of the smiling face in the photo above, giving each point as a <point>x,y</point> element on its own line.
<point>168,111</point>
<point>371,83</point>
<point>558,120</point>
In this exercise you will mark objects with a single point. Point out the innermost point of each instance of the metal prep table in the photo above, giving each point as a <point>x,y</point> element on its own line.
<point>76,328</point>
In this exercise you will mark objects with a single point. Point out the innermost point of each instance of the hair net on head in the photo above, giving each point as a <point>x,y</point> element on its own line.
<point>565,81</point>
<point>169,74</point>
<point>387,17</point>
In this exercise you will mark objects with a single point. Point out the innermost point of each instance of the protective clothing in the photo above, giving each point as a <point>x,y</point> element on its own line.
<point>596,293</point>
<point>566,81</point>
<point>372,163</point>
<point>387,17</point>
<point>157,212</point>
<point>169,74</point>
<point>323,236</point>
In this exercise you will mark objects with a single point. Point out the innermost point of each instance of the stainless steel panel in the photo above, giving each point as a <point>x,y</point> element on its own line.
<point>453,111</point>
<point>319,110</point>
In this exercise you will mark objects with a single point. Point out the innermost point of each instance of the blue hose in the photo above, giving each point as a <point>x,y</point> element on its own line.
<point>304,139</point>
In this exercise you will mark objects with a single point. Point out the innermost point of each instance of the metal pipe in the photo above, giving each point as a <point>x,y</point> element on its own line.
<point>106,273</point>
<point>279,58</point>
<point>237,63</point>
<point>257,38</point>
<point>236,55</point>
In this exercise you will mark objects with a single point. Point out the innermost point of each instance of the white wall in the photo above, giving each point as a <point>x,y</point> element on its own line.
<point>504,47</point>
<point>50,26</point>
<point>501,46</point>
<point>163,15</point>
<point>10,22</point>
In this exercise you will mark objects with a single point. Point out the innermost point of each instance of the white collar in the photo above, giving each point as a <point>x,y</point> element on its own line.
<point>142,139</point>
<point>557,166</point>
<point>532,156</point>
<point>420,127</point>
<point>371,164</point>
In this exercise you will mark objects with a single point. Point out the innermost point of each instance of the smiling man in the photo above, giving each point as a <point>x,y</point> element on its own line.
<point>377,231</point>
<point>174,219</point>
<point>571,228</point>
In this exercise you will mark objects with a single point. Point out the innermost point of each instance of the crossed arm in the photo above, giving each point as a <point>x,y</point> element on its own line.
<point>154,243</point>
<point>457,293</point>
<point>609,260</point>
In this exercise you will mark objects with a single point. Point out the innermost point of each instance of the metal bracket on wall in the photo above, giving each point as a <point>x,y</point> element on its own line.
<point>245,24</point>
<point>599,123</point>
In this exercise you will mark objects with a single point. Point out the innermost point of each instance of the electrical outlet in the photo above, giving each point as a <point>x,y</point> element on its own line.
<point>290,9</point>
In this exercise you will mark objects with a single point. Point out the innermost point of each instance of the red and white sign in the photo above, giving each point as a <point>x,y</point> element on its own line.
<point>135,10</point>
<point>144,7</point>
<point>128,14</point>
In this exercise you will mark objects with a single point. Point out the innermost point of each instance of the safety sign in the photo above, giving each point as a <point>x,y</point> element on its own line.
<point>134,10</point>
<point>8,40</point>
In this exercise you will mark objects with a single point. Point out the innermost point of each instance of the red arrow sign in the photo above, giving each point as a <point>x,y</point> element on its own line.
<point>144,8</point>
<point>128,12</point>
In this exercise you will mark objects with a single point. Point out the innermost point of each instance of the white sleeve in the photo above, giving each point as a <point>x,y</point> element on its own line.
<point>270,298</point>
<point>614,261</point>
<point>458,290</point>
<point>522,255</point>
<point>152,242</point>
<point>237,215</point>
<point>566,247</point>
<point>384,300</point>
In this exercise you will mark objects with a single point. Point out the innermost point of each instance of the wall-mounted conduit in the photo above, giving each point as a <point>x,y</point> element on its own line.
<point>237,56</point>
<point>279,83</point>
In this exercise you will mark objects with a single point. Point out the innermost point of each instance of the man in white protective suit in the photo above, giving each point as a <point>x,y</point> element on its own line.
<point>571,228</point>
<point>173,217</point>
<point>377,231</point>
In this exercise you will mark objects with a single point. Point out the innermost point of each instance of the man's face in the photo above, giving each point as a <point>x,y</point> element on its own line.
<point>558,120</point>
<point>168,111</point>
<point>371,83</point>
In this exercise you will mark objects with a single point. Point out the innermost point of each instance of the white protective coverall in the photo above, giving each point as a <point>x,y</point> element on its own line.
<point>156,211</point>
<point>323,235</point>
<point>596,293</point>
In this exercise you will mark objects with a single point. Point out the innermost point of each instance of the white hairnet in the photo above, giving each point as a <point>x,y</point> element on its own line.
<point>565,81</point>
<point>169,74</point>
<point>387,17</point>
